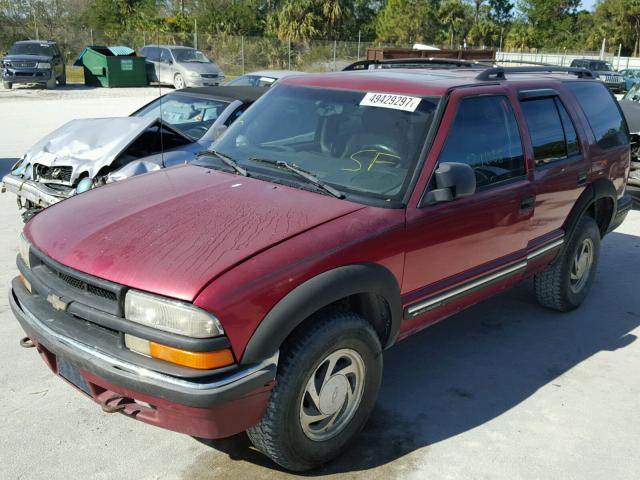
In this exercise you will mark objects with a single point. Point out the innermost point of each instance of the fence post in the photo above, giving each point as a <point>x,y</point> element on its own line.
<point>242,52</point>
<point>335,44</point>
<point>195,33</point>
<point>358,57</point>
<point>289,43</point>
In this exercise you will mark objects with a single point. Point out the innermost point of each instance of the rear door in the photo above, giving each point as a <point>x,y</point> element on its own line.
<point>457,248</point>
<point>165,67</point>
<point>561,169</point>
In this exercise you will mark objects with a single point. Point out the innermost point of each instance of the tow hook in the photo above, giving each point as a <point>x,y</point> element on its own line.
<point>112,403</point>
<point>26,342</point>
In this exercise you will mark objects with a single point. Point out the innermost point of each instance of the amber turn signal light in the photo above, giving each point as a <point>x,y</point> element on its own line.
<point>200,360</point>
<point>25,282</point>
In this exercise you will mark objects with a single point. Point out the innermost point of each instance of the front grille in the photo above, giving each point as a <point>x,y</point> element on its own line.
<point>75,287</point>
<point>58,174</point>
<point>613,79</point>
<point>209,75</point>
<point>101,292</point>
<point>74,282</point>
<point>79,284</point>
<point>23,64</point>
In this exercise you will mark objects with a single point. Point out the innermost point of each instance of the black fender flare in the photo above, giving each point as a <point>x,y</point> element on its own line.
<point>601,188</point>
<point>318,292</point>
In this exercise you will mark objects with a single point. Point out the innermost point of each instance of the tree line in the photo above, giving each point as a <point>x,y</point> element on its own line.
<point>554,25</point>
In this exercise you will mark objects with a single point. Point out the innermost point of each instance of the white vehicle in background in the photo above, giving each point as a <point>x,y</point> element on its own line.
<point>180,66</point>
<point>263,78</point>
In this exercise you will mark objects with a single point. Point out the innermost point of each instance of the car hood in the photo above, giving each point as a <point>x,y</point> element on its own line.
<point>173,231</point>
<point>90,142</point>
<point>27,58</point>
<point>201,67</point>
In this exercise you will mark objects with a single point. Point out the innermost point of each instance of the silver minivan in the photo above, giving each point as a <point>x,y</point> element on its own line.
<point>180,66</point>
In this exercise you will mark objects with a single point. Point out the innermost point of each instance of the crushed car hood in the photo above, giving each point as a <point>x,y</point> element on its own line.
<point>173,231</point>
<point>88,143</point>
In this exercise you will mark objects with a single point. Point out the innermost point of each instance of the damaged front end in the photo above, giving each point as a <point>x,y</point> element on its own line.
<point>85,154</point>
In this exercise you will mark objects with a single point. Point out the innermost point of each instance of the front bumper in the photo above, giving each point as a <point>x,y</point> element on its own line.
<point>213,408</point>
<point>204,82</point>
<point>38,194</point>
<point>26,75</point>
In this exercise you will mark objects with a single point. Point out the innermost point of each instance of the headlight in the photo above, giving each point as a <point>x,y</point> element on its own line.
<point>193,74</point>
<point>43,65</point>
<point>23,249</point>
<point>170,315</point>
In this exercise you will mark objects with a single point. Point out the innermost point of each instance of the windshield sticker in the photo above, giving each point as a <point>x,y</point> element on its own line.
<point>396,102</point>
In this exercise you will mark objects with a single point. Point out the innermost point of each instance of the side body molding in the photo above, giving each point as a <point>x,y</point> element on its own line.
<point>318,292</point>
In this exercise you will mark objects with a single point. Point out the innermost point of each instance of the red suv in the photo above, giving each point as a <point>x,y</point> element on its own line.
<point>256,288</point>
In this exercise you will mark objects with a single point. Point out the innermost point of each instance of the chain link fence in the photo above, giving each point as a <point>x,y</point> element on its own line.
<point>241,54</point>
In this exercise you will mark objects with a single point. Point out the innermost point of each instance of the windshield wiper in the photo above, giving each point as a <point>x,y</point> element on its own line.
<point>310,177</point>
<point>226,160</point>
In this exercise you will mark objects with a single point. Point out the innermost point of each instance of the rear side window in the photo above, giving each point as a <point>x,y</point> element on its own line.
<point>485,136</point>
<point>552,133</point>
<point>602,113</point>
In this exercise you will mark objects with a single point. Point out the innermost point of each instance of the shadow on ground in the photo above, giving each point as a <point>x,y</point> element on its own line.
<point>472,368</point>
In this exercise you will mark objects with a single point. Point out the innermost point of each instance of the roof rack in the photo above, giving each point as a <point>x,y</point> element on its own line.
<point>498,73</point>
<point>525,62</point>
<point>434,62</point>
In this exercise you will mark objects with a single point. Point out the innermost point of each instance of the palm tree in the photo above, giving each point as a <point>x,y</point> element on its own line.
<point>452,16</point>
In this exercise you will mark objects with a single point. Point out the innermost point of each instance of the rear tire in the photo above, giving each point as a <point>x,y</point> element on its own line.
<point>7,85</point>
<point>565,283</point>
<point>327,384</point>
<point>63,78</point>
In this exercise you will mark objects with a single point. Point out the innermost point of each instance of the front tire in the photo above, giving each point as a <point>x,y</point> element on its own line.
<point>565,283</point>
<point>7,85</point>
<point>52,82</point>
<point>327,384</point>
<point>178,81</point>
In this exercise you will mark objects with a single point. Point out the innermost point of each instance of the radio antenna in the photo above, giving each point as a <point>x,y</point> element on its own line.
<point>161,128</point>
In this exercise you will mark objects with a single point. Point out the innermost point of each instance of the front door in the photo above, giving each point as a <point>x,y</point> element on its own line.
<point>457,248</point>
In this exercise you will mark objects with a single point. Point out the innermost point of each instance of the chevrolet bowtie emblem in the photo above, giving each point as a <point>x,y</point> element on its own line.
<point>56,302</point>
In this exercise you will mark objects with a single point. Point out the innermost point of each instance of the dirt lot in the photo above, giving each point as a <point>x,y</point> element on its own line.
<point>506,390</point>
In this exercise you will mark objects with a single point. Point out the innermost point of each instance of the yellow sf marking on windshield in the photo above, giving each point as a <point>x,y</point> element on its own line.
<point>375,161</point>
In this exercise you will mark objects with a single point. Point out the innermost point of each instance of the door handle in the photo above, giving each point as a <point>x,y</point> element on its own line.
<point>582,179</point>
<point>528,203</point>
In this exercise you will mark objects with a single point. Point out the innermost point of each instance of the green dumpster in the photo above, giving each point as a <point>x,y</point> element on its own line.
<point>115,66</point>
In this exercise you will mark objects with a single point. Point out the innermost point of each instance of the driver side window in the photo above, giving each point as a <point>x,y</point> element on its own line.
<point>484,135</point>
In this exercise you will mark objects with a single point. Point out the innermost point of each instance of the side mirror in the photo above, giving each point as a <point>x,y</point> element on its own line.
<point>453,180</point>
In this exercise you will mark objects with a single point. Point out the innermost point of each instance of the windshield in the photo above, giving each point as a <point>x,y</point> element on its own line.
<point>633,94</point>
<point>252,81</point>
<point>364,143</point>
<point>43,49</point>
<point>189,55</point>
<point>192,116</point>
<point>600,66</point>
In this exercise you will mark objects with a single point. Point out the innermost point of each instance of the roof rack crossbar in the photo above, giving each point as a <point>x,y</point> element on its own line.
<point>365,64</point>
<point>498,73</point>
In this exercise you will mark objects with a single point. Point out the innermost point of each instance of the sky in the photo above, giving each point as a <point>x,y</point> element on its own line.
<point>588,4</point>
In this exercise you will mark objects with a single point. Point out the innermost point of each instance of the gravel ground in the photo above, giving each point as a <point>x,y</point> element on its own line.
<point>505,390</point>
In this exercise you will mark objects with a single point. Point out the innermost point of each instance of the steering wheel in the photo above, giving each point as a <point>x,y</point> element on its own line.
<point>379,147</point>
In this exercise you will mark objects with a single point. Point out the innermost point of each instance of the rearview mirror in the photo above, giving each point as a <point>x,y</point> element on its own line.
<point>453,180</point>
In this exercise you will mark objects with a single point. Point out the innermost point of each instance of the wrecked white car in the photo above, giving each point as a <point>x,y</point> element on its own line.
<point>88,153</point>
